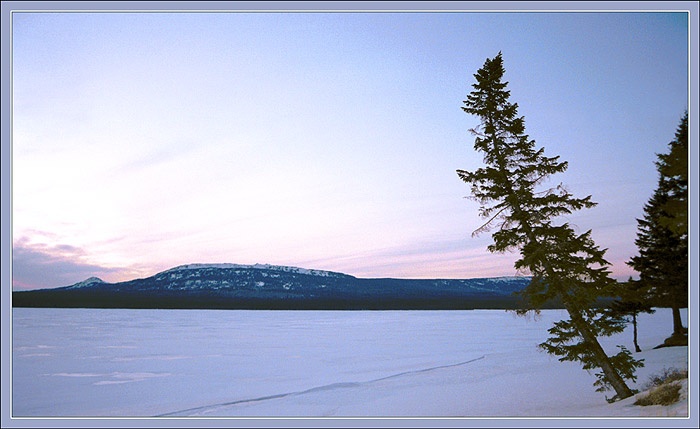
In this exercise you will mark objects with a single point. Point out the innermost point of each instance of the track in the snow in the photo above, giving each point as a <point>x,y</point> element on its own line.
<point>206,409</point>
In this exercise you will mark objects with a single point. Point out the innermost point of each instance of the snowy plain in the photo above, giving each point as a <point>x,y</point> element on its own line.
<point>177,364</point>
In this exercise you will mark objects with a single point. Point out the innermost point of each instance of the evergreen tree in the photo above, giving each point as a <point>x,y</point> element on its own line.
<point>674,166</point>
<point>564,265</point>
<point>662,234</point>
<point>634,299</point>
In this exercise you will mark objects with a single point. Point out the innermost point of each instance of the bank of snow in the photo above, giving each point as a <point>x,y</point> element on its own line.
<point>167,364</point>
<point>488,386</point>
<point>503,376</point>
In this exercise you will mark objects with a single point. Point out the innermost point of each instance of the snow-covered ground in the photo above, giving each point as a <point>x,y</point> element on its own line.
<point>209,363</point>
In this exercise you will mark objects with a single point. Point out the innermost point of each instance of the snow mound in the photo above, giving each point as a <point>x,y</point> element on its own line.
<point>627,407</point>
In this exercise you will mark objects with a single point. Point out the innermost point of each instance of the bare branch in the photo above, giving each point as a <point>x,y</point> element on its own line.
<point>485,227</point>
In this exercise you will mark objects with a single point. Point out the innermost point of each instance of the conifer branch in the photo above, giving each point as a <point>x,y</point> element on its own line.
<point>487,226</point>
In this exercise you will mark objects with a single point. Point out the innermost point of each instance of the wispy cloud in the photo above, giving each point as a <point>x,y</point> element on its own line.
<point>446,258</point>
<point>36,266</point>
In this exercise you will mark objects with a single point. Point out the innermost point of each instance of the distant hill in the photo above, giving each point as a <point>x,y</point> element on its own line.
<point>232,286</point>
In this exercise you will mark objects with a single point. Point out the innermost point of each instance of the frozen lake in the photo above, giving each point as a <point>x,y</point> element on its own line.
<point>106,362</point>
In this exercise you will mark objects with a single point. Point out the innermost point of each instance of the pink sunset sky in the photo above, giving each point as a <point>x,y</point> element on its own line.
<point>144,140</point>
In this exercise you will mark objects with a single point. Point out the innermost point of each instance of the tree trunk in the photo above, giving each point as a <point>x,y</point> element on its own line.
<point>678,328</point>
<point>621,389</point>
<point>634,324</point>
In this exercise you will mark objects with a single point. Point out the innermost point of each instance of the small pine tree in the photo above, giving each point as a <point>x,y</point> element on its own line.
<point>564,265</point>
<point>633,300</point>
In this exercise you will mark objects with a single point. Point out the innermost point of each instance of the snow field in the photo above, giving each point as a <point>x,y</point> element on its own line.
<point>209,363</point>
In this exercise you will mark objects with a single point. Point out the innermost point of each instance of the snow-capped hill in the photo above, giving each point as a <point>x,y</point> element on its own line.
<point>503,279</point>
<point>282,268</point>
<point>263,286</point>
<point>88,282</point>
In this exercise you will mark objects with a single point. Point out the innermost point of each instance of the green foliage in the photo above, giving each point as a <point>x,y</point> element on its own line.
<point>506,191</point>
<point>662,260</point>
<point>566,342</point>
<point>674,166</point>
<point>626,366</point>
<point>634,297</point>
<point>505,187</point>
<point>564,265</point>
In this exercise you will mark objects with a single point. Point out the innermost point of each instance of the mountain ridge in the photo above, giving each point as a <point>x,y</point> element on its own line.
<point>264,286</point>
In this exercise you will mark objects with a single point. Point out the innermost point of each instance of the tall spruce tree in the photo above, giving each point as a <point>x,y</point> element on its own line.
<point>564,265</point>
<point>662,234</point>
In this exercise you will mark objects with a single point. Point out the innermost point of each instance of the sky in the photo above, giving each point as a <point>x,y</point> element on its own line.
<point>142,140</point>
